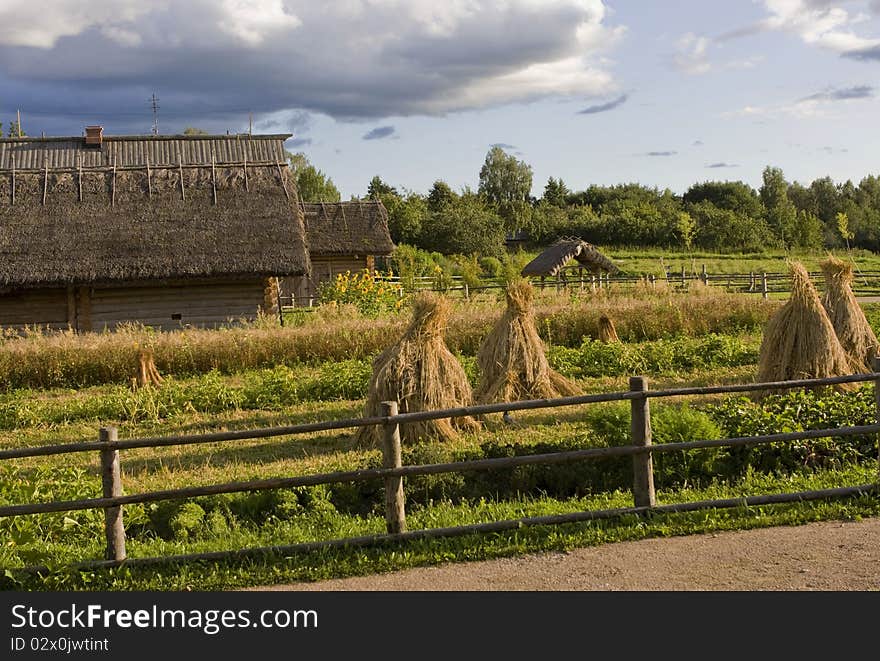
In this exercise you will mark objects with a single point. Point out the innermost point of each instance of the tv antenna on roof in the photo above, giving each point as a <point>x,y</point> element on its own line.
<point>154,102</point>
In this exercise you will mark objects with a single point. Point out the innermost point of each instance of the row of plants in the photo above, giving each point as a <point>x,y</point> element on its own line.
<point>67,360</point>
<point>283,386</point>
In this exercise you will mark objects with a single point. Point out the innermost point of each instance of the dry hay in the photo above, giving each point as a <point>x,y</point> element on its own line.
<point>846,315</point>
<point>512,360</point>
<point>421,374</point>
<point>607,331</point>
<point>799,340</point>
<point>147,374</point>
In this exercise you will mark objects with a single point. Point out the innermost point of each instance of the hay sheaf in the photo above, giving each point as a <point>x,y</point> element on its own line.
<point>799,339</point>
<point>846,315</point>
<point>607,331</point>
<point>512,360</point>
<point>421,374</point>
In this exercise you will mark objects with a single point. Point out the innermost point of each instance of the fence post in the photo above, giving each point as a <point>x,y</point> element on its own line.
<point>705,275</point>
<point>683,278</point>
<point>112,487</point>
<point>640,429</point>
<point>764,290</point>
<point>875,366</point>
<point>395,515</point>
<point>467,293</point>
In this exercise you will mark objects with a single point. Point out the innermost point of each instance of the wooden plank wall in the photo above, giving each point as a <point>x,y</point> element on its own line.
<point>170,307</point>
<point>43,307</point>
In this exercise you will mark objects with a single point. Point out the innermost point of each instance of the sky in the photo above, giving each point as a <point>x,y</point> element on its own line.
<point>594,92</point>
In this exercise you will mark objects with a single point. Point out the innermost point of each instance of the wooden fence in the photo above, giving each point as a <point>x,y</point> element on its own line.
<point>641,449</point>
<point>866,283</point>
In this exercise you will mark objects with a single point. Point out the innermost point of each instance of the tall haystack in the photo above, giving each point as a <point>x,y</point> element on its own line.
<point>421,374</point>
<point>799,340</point>
<point>607,331</point>
<point>846,315</point>
<point>512,360</point>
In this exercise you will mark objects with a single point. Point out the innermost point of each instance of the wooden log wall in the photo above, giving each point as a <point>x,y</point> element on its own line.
<point>171,307</point>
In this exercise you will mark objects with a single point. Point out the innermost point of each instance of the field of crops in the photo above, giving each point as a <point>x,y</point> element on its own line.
<point>62,388</point>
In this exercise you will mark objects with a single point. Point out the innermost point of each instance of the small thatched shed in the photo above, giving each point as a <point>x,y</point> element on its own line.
<point>341,236</point>
<point>551,262</point>
<point>162,230</point>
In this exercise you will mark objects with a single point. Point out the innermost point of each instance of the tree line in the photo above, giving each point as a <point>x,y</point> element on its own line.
<point>711,215</point>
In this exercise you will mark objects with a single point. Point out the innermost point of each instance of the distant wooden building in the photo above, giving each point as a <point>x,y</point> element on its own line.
<point>554,259</point>
<point>341,236</point>
<point>163,230</point>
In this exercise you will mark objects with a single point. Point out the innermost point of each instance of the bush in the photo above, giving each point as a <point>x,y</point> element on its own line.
<point>368,291</point>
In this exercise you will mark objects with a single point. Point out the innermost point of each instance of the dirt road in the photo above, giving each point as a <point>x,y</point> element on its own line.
<point>818,556</point>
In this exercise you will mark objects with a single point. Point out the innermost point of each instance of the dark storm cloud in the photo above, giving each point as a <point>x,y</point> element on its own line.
<point>379,133</point>
<point>864,54</point>
<point>211,64</point>
<point>504,145</point>
<point>842,94</point>
<point>605,107</point>
<point>722,164</point>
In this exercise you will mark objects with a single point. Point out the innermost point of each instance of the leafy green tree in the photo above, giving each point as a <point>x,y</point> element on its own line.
<point>192,130</point>
<point>406,216</point>
<point>315,186</point>
<point>378,188</point>
<point>723,229</point>
<point>296,162</point>
<point>808,231</point>
<point>685,228</point>
<point>735,196</point>
<point>780,212</point>
<point>843,228</point>
<point>440,195</point>
<point>14,130</point>
<point>506,183</point>
<point>312,185</point>
<point>556,192</point>
<point>464,227</point>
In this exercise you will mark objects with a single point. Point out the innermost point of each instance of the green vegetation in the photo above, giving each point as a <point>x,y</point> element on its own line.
<point>67,360</point>
<point>264,375</point>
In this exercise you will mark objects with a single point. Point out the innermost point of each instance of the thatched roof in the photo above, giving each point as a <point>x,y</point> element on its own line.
<point>554,258</point>
<point>348,228</point>
<point>101,224</point>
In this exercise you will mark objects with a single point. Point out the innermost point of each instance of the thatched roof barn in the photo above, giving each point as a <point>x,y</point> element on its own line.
<point>551,262</point>
<point>341,236</point>
<point>164,230</point>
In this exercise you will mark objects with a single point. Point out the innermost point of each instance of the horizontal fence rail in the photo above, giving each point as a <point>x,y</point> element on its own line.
<point>641,450</point>
<point>866,283</point>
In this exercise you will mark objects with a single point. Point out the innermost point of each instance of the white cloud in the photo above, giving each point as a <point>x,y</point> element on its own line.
<point>691,56</point>
<point>820,23</point>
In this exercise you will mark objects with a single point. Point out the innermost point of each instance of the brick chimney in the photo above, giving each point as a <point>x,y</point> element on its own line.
<point>94,135</point>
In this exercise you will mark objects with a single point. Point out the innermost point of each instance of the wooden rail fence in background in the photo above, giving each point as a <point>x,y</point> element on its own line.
<point>867,283</point>
<point>392,473</point>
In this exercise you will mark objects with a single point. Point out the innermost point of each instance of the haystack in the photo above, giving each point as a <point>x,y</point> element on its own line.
<point>846,315</point>
<point>147,373</point>
<point>799,340</point>
<point>607,331</point>
<point>421,374</point>
<point>512,360</point>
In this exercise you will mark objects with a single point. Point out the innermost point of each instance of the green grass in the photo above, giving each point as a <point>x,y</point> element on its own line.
<point>646,261</point>
<point>677,340</point>
<point>349,562</point>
